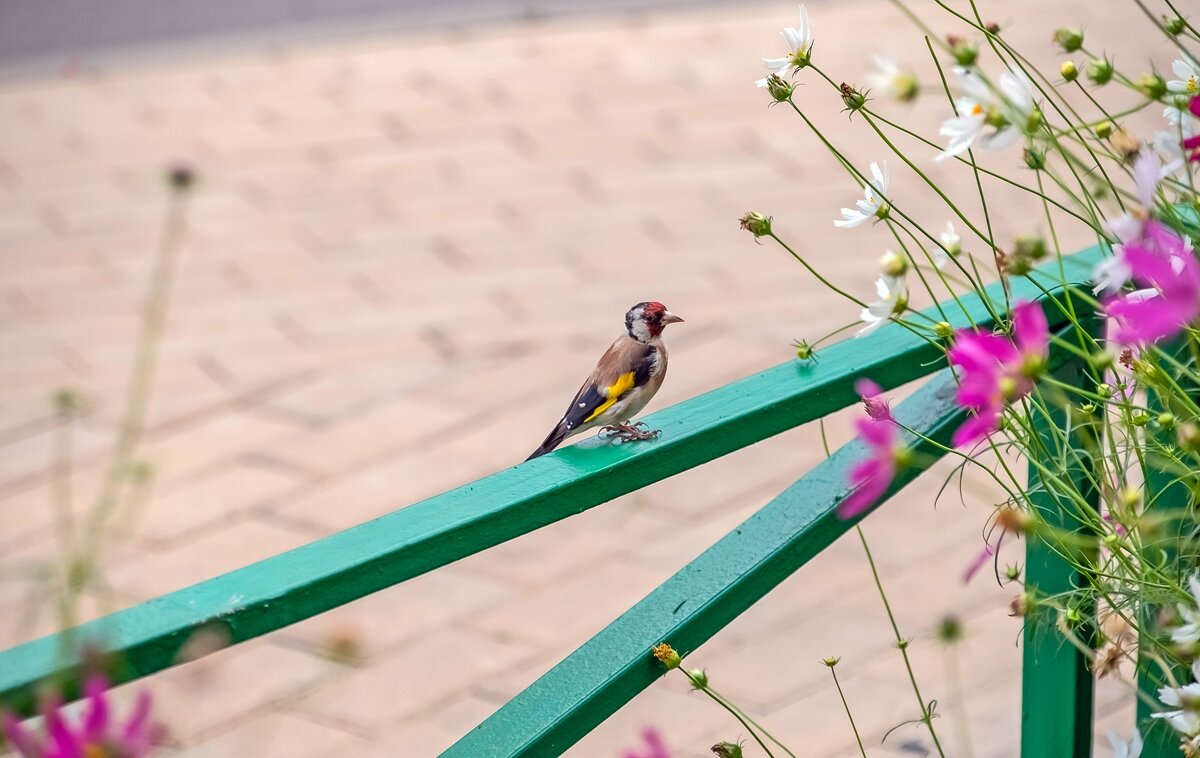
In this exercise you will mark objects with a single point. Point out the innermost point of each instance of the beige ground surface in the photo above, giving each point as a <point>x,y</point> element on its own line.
<point>404,254</point>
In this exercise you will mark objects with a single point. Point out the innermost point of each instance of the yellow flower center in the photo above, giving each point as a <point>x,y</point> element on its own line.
<point>94,751</point>
<point>977,110</point>
<point>1191,84</point>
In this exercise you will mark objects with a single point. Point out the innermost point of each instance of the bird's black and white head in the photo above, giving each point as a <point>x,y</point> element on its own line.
<point>646,321</point>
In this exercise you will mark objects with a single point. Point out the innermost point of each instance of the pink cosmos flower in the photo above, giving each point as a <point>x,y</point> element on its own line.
<point>656,747</point>
<point>871,477</point>
<point>1164,264</point>
<point>997,369</point>
<point>1191,145</point>
<point>877,407</point>
<point>96,735</point>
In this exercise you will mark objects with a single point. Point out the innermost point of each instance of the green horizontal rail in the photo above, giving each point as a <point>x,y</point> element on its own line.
<point>703,597</point>
<point>343,567</point>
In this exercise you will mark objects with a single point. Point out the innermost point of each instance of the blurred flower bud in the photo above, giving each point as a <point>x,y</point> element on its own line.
<point>1174,25</point>
<point>1087,409</point>
<point>965,53</point>
<point>1102,360</point>
<point>1125,145</point>
<point>69,402</point>
<point>1166,420</point>
<point>1033,248</point>
<point>1152,86</point>
<point>893,264</point>
<point>1012,573</point>
<point>1021,605</point>
<point>950,630</point>
<point>780,88</point>
<point>1069,71</point>
<point>1100,71</point>
<point>181,177</point>
<point>943,330</point>
<point>1105,129</point>
<point>1130,497</point>
<point>1140,419</point>
<point>699,678</point>
<point>757,224</point>
<point>992,27</point>
<point>853,99</point>
<point>727,750</point>
<point>831,662</point>
<point>1010,518</point>
<point>1068,39</point>
<point>1035,158</point>
<point>666,655</point>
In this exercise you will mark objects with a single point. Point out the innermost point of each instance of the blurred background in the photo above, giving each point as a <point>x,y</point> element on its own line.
<point>414,227</point>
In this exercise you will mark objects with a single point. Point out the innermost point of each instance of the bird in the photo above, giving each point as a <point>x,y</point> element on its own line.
<point>624,380</point>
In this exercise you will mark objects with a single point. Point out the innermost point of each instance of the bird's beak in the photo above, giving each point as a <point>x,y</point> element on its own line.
<point>671,318</point>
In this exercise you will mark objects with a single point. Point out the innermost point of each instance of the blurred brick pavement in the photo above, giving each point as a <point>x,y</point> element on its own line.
<point>405,252</point>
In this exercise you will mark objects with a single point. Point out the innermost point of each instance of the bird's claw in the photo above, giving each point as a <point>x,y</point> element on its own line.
<point>631,432</point>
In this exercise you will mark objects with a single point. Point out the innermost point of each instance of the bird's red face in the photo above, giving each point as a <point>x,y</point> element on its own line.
<point>646,321</point>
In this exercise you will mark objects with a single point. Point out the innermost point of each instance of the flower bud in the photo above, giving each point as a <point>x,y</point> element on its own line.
<point>992,27</point>
<point>181,177</point>
<point>699,678</point>
<point>1131,497</point>
<point>853,99</point>
<point>1166,420</point>
<point>1101,360</point>
<point>1100,71</point>
<point>1022,604</point>
<point>1013,519</point>
<point>666,655</point>
<point>1012,573</point>
<point>1087,409</point>
<point>1035,158</point>
<point>756,223</point>
<point>950,630</point>
<point>1105,129</point>
<point>1140,419</point>
<point>893,264</point>
<point>1069,71</point>
<point>965,53</point>
<point>1068,39</point>
<point>1073,617</point>
<point>943,330</point>
<point>1033,248</point>
<point>831,662</point>
<point>1174,25</point>
<point>727,750</point>
<point>780,88</point>
<point>1125,144</point>
<point>1152,86</point>
<point>804,351</point>
<point>69,402</point>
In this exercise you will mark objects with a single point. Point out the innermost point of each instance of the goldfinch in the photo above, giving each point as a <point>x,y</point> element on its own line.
<point>624,380</point>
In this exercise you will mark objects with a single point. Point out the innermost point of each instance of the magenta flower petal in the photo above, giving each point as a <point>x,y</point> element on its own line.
<point>876,406</point>
<point>1030,330</point>
<point>1194,106</point>
<point>20,738</point>
<point>978,427</point>
<point>654,742</point>
<point>96,722</point>
<point>872,478</point>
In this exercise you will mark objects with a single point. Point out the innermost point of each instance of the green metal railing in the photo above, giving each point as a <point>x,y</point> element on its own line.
<point>687,609</point>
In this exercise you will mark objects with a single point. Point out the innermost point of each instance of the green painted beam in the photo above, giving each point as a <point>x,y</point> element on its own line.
<point>699,600</point>
<point>343,567</point>
<point>1056,681</point>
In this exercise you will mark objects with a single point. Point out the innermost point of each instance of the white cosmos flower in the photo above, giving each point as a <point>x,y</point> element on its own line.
<point>1013,104</point>
<point>1169,144</point>
<point>893,80</point>
<point>893,299</point>
<point>1188,633</point>
<point>799,45</point>
<point>872,205</point>
<point>1184,718</point>
<point>1187,85</point>
<point>1112,273</point>
<point>951,246</point>
<point>1123,749</point>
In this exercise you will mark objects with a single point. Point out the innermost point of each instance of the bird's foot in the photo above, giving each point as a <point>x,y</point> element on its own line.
<point>631,432</point>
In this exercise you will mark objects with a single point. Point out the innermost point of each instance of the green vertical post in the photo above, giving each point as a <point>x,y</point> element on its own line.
<point>1056,683</point>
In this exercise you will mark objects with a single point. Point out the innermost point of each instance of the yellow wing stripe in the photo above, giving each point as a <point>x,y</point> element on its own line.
<point>624,384</point>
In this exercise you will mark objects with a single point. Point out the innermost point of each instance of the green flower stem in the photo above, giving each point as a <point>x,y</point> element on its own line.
<point>735,712</point>
<point>926,714</point>
<point>845,705</point>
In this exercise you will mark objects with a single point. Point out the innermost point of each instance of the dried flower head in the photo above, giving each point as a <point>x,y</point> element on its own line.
<point>666,655</point>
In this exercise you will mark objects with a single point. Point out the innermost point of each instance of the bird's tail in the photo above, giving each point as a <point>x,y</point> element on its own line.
<point>553,440</point>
